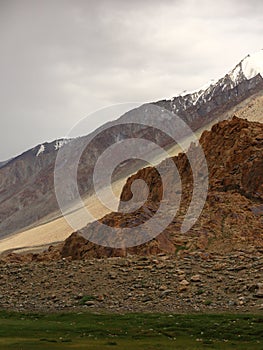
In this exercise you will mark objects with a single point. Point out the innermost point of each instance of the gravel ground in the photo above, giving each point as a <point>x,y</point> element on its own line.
<point>192,283</point>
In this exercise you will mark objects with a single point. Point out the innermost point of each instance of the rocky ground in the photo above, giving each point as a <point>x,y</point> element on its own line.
<point>193,282</point>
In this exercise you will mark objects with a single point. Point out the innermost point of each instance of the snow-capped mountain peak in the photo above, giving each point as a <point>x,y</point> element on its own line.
<point>201,105</point>
<point>252,65</point>
<point>248,68</point>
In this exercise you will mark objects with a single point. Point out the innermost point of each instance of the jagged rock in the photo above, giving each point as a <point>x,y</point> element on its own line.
<point>229,221</point>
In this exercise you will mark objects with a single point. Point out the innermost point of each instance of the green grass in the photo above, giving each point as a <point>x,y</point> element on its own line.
<point>130,331</point>
<point>86,298</point>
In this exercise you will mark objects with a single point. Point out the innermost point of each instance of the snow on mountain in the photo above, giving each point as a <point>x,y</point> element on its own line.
<point>49,147</point>
<point>252,65</point>
<point>247,69</point>
<point>60,143</point>
<point>41,150</point>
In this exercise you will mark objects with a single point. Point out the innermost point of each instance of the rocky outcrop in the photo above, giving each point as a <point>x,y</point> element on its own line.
<point>232,216</point>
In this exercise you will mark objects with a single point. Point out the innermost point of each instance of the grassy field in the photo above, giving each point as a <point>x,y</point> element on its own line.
<point>130,331</point>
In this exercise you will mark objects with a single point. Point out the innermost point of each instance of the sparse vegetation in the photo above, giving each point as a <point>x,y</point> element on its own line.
<point>86,298</point>
<point>200,292</point>
<point>130,331</point>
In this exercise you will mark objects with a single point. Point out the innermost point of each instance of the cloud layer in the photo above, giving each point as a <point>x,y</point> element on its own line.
<point>60,60</point>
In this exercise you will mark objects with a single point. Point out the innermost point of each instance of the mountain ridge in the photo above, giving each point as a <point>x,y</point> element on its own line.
<point>248,68</point>
<point>26,182</point>
<point>232,217</point>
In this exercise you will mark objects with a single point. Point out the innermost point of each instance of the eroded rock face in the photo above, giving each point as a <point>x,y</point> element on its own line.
<point>235,156</point>
<point>232,216</point>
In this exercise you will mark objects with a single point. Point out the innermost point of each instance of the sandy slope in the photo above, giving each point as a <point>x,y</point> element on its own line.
<point>57,229</point>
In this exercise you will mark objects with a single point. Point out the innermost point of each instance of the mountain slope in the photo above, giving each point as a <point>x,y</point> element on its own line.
<point>232,216</point>
<point>26,182</point>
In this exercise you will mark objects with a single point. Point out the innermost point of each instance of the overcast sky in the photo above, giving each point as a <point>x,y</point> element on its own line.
<point>61,60</point>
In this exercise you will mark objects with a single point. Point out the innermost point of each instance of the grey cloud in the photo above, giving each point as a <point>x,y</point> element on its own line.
<point>60,60</point>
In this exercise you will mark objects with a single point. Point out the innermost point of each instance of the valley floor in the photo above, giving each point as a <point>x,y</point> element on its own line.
<point>193,282</point>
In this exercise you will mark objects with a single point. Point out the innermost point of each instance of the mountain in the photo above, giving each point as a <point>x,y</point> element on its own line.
<point>232,216</point>
<point>231,220</point>
<point>26,185</point>
<point>27,195</point>
<point>201,106</point>
<point>2,164</point>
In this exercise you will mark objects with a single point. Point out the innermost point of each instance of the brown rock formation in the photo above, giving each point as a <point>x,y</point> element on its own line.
<point>232,215</point>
